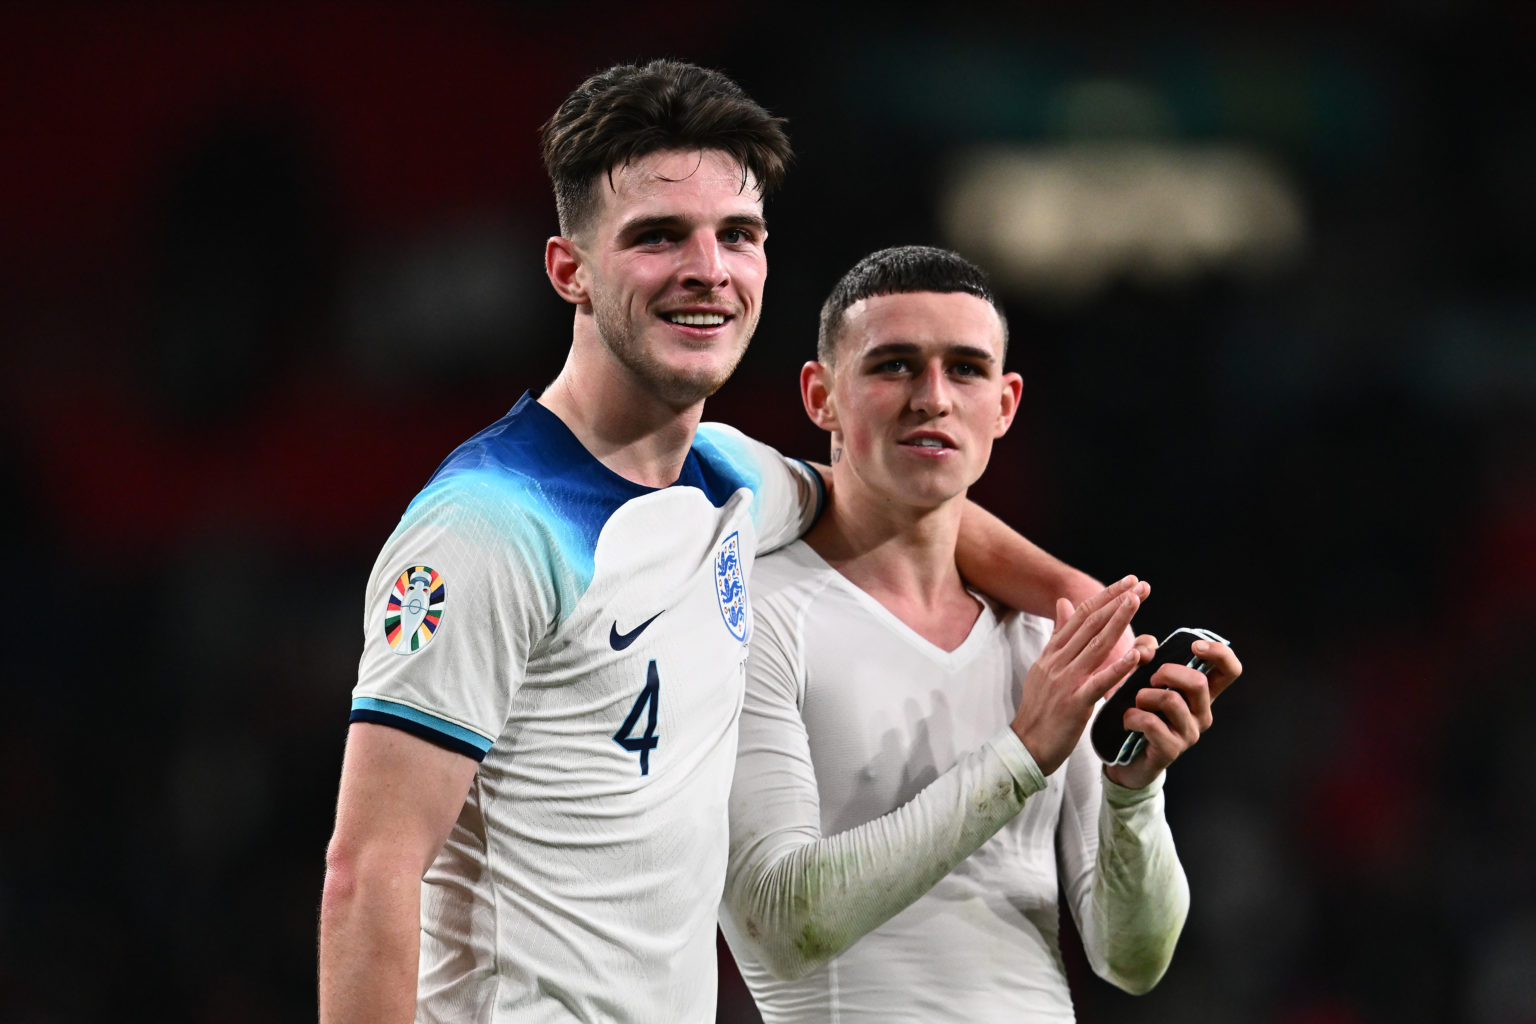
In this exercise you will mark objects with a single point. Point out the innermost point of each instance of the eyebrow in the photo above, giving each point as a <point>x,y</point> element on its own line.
<point>907,348</point>
<point>736,220</point>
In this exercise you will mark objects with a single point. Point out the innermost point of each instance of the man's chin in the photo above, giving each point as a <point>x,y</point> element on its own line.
<point>689,384</point>
<point>682,391</point>
<point>680,378</point>
<point>676,387</point>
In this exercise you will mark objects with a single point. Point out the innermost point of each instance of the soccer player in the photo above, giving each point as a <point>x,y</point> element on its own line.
<point>531,822</point>
<point>913,779</point>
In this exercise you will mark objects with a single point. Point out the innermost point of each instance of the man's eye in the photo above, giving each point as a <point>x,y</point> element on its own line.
<point>891,366</point>
<point>651,237</point>
<point>736,236</point>
<point>969,370</point>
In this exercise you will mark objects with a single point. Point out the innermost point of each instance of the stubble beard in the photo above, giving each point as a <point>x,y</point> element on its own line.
<point>679,390</point>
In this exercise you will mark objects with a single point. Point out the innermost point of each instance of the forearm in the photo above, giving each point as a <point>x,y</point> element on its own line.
<point>1140,895</point>
<point>370,936</point>
<point>807,901</point>
<point>1000,561</point>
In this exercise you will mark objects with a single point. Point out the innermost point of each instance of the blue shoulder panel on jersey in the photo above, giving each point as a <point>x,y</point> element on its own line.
<point>723,464</point>
<point>529,461</point>
<point>418,723</point>
<point>532,462</point>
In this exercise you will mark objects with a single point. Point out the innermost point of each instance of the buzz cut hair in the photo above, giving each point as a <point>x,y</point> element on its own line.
<point>897,271</point>
<point>632,110</point>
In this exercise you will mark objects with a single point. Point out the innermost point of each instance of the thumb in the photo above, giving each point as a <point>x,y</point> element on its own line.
<point>1064,611</point>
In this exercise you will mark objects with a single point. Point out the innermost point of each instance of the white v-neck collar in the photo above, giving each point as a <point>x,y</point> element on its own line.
<point>974,641</point>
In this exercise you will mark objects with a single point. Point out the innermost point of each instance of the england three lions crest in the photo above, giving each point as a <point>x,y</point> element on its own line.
<point>731,586</point>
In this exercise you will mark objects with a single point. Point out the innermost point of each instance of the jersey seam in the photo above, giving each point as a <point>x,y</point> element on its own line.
<point>802,611</point>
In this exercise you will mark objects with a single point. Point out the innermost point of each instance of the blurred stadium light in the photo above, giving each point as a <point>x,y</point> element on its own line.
<point>1060,222</point>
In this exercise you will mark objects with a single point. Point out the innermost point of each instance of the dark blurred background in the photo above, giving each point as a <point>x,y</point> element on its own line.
<point>1269,271</point>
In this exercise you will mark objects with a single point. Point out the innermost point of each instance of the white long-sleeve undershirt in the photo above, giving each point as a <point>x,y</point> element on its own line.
<point>895,851</point>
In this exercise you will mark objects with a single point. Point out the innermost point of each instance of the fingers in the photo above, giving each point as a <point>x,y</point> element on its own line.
<point>1147,643</point>
<point>1224,668</point>
<point>1184,704</point>
<point>1063,613</point>
<point>1071,673</point>
<point>1101,632</point>
<point>1105,598</point>
<point>1175,711</point>
<point>1102,681</point>
<point>1165,720</point>
<point>1165,744</point>
<point>1097,624</point>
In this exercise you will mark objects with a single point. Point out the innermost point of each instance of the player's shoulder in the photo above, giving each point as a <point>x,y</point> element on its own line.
<point>529,442</point>
<point>712,434</point>
<point>789,588</point>
<point>723,449</point>
<point>794,575</point>
<point>525,467</point>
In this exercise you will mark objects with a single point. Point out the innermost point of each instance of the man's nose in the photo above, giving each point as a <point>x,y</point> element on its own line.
<point>703,264</point>
<point>931,391</point>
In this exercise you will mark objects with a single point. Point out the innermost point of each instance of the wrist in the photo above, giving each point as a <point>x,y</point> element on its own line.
<point>1133,779</point>
<point>1010,749</point>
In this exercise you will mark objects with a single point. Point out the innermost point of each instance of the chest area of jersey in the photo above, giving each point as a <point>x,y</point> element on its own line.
<point>657,642</point>
<point>670,566</point>
<point>887,717</point>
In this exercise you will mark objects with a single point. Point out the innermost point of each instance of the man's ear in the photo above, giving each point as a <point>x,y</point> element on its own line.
<point>566,270</point>
<point>816,394</point>
<point>1013,390</point>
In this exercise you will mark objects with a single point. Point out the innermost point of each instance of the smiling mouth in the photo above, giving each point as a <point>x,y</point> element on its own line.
<point>695,319</point>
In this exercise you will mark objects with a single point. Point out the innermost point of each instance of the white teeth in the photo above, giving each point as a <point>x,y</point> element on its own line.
<point>928,442</point>
<point>697,319</point>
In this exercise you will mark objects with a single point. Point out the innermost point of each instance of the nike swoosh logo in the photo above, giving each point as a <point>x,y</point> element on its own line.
<point>618,641</point>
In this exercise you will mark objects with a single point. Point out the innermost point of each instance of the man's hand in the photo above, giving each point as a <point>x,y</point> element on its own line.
<point>1174,711</point>
<point>1077,668</point>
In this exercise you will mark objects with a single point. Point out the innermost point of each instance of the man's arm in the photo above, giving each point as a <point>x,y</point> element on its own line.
<point>1121,874</point>
<point>1001,562</point>
<point>1131,906</point>
<point>998,560</point>
<point>399,798</point>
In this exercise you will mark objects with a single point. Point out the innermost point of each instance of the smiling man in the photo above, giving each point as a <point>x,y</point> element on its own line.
<point>913,781</point>
<point>531,823</point>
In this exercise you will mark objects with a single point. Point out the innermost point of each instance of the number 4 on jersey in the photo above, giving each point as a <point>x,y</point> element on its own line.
<point>646,742</point>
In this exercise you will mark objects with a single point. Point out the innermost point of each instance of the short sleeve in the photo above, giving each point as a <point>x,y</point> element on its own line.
<point>455,603</point>
<point>788,494</point>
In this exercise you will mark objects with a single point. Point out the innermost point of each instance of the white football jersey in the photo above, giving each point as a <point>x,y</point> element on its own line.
<point>585,638</point>
<point>894,847</point>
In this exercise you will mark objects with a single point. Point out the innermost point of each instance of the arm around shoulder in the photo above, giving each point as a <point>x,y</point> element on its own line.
<point>399,797</point>
<point>1000,561</point>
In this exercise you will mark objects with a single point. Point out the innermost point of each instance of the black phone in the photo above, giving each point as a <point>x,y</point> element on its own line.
<point>1112,741</point>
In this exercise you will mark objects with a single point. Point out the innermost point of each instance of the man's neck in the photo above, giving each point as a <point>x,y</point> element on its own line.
<point>627,429</point>
<point>902,557</point>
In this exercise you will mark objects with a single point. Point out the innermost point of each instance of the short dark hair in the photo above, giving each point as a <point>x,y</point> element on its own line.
<point>632,110</point>
<point>897,271</point>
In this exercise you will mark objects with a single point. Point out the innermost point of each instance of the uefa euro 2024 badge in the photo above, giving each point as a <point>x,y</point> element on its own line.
<point>731,586</point>
<point>415,609</point>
